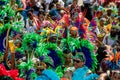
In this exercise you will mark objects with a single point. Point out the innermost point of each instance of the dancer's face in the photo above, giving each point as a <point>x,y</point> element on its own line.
<point>78,63</point>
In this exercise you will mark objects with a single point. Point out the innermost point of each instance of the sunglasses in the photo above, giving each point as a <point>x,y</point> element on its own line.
<point>77,61</point>
<point>39,69</point>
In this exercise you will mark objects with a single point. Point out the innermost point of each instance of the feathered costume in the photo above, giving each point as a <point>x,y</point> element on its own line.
<point>113,61</point>
<point>48,75</point>
<point>13,74</point>
<point>51,50</point>
<point>13,27</point>
<point>81,74</point>
<point>82,24</point>
<point>76,45</point>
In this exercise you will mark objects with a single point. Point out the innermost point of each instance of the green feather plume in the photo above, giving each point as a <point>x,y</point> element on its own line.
<point>27,41</point>
<point>7,11</point>
<point>70,43</point>
<point>24,66</point>
<point>91,47</point>
<point>4,27</point>
<point>43,50</point>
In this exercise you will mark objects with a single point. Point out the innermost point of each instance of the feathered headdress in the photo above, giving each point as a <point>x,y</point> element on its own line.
<point>12,30</point>
<point>27,70</point>
<point>6,14</point>
<point>84,46</point>
<point>29,42</point>
<point>69,44</point>
<point>87,48</point>
<point>113,61</point>
<point>51,50</point>
<point>6,11</point>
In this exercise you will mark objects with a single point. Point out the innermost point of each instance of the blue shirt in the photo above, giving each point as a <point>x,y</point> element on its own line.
<point>54,13</point>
